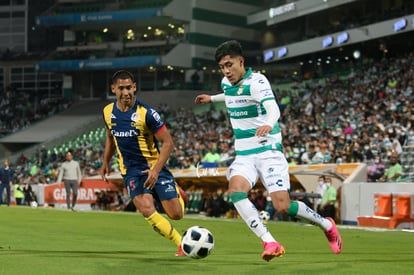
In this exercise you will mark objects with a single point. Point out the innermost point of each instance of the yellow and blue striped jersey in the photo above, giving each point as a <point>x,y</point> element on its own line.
<point>133,133</point>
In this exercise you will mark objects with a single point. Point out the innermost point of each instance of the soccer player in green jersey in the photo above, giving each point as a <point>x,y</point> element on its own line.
<point>254,116</point>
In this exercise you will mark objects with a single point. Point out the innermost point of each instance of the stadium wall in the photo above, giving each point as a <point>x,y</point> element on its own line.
<point>358,197</point>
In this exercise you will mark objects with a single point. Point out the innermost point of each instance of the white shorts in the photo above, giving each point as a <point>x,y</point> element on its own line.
<point>271,167</point>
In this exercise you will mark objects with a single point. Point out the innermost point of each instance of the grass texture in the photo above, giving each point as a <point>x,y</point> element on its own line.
<point>51,241</point>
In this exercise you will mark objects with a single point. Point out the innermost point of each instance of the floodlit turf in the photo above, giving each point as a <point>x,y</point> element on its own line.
<point>50,241</point>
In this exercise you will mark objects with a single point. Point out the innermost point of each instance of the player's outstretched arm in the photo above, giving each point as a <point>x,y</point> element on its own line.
<point>204,98</point>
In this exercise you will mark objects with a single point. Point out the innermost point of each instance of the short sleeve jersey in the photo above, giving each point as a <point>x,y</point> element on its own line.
<point>133,133</point>
<point>244,102</point>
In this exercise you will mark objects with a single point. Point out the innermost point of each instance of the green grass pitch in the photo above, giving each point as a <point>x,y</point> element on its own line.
<point>50,241</point>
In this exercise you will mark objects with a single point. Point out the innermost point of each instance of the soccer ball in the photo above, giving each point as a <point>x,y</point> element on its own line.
<point>264,215</point>
<point>197,242</point>
<point>33,204</point>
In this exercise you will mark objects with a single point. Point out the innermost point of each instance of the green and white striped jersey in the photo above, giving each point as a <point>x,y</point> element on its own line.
<point>244,102</point>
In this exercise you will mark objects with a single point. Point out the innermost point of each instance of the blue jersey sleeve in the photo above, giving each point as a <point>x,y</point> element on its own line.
<point>153,120</point>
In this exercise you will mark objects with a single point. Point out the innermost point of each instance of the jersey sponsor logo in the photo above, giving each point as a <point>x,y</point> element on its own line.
<point>266,92</point>
<point>241,101</point>
<point>240,91</point>
<point>238,113</point>
<point>263,142</point>
<point>164,182</point>
<point>170,188</point>
<point>261,81</point>
<point>130,133</point>
<point>113,116</point>
<point>134,117</point>
<point>279,183</point>
<point>155,115</point>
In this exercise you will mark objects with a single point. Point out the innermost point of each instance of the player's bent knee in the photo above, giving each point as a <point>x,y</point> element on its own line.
<point>174,211</point>
<point>282,207</point>
<point>176,216</point>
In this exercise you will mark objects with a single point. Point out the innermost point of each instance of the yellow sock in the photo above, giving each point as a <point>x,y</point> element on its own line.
<point>164,228</point>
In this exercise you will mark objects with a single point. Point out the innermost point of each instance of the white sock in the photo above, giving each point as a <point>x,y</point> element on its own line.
<point>250,215</point>
<point>304,212</point>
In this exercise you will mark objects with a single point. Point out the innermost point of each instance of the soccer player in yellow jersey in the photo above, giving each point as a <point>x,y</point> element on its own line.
<point>133,129</point>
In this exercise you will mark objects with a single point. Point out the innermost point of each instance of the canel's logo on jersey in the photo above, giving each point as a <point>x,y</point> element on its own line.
<point>134,117</point>
<point>130,133</point>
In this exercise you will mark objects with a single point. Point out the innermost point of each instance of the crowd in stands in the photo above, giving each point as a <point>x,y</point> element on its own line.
<point>19,109</point>
<point>363,117</point>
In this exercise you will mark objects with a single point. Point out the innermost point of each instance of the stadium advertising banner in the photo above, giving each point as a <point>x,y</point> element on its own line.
<point>97,17</point>
<point>56,193</point>
<point>98,64</point>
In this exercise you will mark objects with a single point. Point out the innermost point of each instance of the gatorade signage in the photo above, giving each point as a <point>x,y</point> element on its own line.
<point>56,193</point>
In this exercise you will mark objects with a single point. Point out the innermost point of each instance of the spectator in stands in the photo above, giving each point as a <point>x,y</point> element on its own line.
<point>409,141</point>
<point>6,181</point>
<point>285,103</point>
<point>226,155</point>
<point>259,200</point>
<point>376,169</point>
<point>15,116</point>
<point>212,157</point>
<point>318,156</point>
<point>307,155</point>
<point>327,208</point>
<point>29,195</point>
<point>396,145</point>
<point>70,174</point>
<point>394,171</point>
<point>215,205</point>
<point>18,193</point>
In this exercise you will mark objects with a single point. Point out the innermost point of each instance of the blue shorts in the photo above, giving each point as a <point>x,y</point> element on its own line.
<point>164,189</point>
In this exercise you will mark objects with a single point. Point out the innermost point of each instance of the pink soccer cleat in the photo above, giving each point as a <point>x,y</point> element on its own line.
<point>334,238</point>
<point>271,250</point>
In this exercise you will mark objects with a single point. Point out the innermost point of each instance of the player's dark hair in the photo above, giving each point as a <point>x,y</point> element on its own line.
<point>122,74</point>
<point>231,47</point>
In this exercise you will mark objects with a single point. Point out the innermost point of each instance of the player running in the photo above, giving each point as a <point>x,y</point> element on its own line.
<point>254,116</point>
<point>132,130</point>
